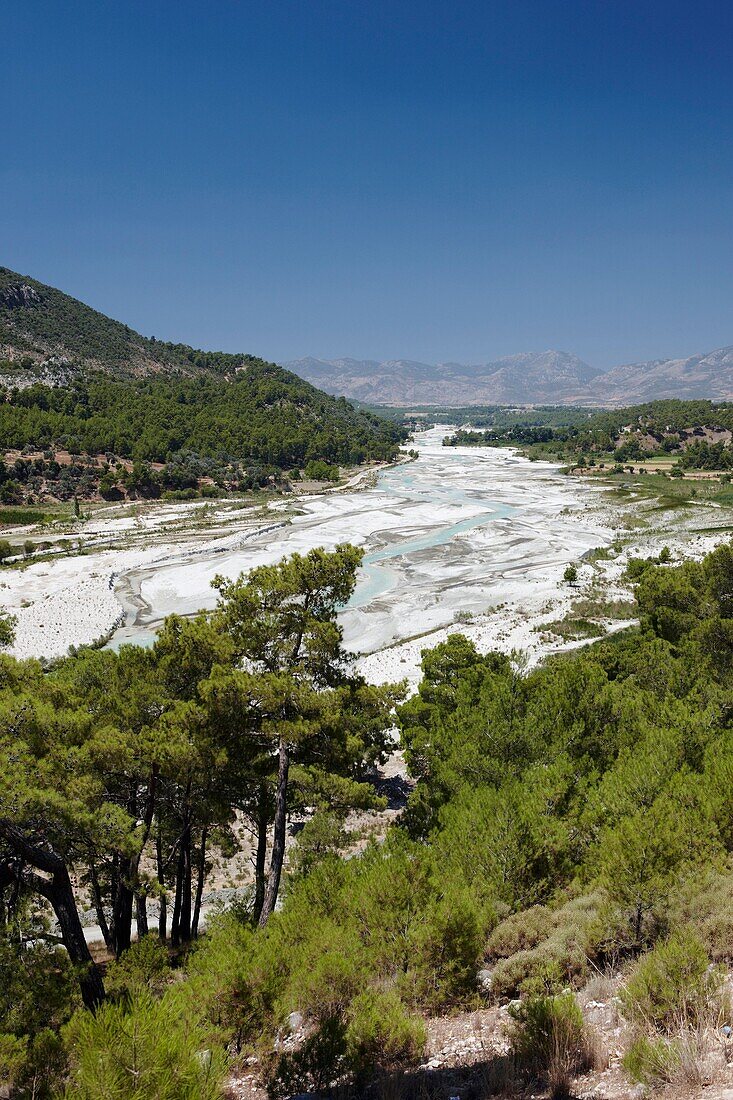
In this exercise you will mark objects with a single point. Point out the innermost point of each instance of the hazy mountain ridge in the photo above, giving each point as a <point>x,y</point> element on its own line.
<point>708,375</point>
<point>46,334</point>
<point>549,377</point>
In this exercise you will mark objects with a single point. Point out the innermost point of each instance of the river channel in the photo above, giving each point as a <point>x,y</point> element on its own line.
<point>447,536</point>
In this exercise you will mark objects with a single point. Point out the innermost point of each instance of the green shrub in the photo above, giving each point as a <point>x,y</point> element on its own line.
<point>319,470</point>
<point>328,985</point>
<point>673,986</point>
<point>322,835</point>
<point>560,942</point>
<point>637,567</point>
<point>549,1040</point>
<point>140,1050</point>
<point>19,517</point>
<point>381,1033</point>
<point>373,1034</point>
<point>225,989</point>
<point>143,966</point>
<point>37,997</point>
<point>180,494</point>
<point>652,1061</point>
<point>520,932</point>
<point>573,629</point>
<point>318,1061</point>
<point>704,902</point>
<point>13,1051</point>
<point>538,971</point>
<point>447,954</point>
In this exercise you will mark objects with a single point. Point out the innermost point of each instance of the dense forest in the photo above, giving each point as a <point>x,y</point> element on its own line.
<point>239,433</point>
<point>118,404</point>
<point>566,822</point>
<point>658,429</point>
<point>500,417</point>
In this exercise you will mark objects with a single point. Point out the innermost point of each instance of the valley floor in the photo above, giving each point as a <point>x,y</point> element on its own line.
<point>470,540</point>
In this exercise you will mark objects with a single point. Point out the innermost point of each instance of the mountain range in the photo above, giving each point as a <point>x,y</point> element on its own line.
<point>532,378</point>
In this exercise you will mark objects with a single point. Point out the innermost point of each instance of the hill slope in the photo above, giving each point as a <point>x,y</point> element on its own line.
<point>38,322</point>
<point>78,382</point>
<point>699,376</point>
<point>45,334</point>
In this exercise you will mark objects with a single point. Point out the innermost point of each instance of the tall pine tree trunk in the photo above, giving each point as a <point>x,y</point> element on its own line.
<point>163,910</point>
<point>121,924</point>
<point>99,907</point>
<point>181,924</point>
<point>177,897</point>
<point>141,915</point>
<point>61,895</point>
<point>278,840</point>
<point>55,885</point>
<point>261,854</point>
<point>185,919</point>
<point>201,878</point>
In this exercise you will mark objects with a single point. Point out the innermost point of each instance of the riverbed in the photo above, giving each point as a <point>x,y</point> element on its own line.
<point>475,539</point>
<point>447,537</point>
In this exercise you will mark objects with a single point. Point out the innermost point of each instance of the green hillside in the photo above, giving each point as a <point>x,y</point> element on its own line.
<point>38,321</point>
<point>73,380</point>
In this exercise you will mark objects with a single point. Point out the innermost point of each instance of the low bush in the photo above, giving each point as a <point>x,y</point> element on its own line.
<point>560,943</point>
<point>652,1060</point>
<point>318,1062</point>
<point>673,986</point>
<point>139,1050</point>
<point>521,932</point>
<point>549,1040</point>
<point>676,1001</point>
<point>381,1034</point>
<point>573,629</point>
<point>37,997</point>
<point>220,983</point>
<point>374,1035</point>
<point>691,1059</point>
<point>704,902</point>
<point>143,966</point>
<point>180,494</point>
<point>320,470</point>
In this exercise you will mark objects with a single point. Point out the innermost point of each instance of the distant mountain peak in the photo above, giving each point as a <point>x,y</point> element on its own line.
<point>552,376</point>
<point>527,378</point>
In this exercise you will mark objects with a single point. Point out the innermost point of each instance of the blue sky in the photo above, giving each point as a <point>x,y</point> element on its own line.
<point>377,178</point>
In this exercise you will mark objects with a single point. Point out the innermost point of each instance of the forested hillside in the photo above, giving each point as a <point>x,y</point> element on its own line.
<point>76,382</point>
<point>39,322</point>
<point>568,824</point>
<point>697,434</point>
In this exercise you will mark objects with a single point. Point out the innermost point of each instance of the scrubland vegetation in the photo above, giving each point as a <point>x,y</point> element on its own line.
<point>566,823</point>
<point>686,435</point>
